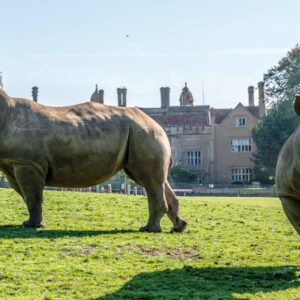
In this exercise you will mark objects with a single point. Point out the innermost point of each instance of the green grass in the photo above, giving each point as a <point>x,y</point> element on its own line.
<point>233,248</point>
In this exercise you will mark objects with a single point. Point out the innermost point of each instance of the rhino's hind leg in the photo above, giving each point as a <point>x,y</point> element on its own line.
<point>157,207</point>
<point>173,210</point>
<point>291,208</point>
<point>31,182</point>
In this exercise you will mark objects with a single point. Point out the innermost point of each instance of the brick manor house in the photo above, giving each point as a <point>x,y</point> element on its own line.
<point>214,143</point>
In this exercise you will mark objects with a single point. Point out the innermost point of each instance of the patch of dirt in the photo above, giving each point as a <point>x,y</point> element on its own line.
<point>83,249</point>
<point>177,253</point>
<point>87,249</point>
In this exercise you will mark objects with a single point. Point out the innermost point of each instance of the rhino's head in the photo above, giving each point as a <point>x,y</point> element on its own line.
<point>297,104</point>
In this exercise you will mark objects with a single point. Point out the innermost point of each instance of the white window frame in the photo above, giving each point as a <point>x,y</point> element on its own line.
<point>194,158</point>
<point>241,174</point>
<point>240,121</point>
<point>238,145</point>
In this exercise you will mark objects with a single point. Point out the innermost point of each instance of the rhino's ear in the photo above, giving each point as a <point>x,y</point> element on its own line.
<point>297,104</point>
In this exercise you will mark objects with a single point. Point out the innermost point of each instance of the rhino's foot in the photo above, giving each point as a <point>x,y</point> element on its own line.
<point>180,227</point>
<point>149,228</point>
<point>34,224</point>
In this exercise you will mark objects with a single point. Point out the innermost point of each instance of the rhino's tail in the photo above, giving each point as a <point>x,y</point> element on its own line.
<point>170,165</point>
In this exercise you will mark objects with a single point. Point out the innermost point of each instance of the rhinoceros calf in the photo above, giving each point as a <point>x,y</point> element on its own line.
<point>83,145</point>
<point>288,174</point>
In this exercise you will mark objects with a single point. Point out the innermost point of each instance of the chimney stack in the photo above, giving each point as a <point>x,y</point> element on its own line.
<point>261,99</point>
<point>35,92</point>
<point>165,97</point>
<point>122,97</point>
<point>251,95</point>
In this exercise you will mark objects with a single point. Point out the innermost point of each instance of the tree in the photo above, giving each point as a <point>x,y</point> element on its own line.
<point>282,82</point>
<point>269,135</point>
<point>1,82</point>
<point>180,175</point>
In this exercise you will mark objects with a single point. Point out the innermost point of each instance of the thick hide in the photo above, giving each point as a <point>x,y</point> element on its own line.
<point>83,145</point>
<point>288,174</point>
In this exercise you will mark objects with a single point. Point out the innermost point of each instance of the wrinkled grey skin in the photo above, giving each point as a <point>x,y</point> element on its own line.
<point>80,146</point>
<point>288,174</point>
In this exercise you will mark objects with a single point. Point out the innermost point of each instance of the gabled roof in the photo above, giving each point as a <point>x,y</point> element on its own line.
<point>221,113</point>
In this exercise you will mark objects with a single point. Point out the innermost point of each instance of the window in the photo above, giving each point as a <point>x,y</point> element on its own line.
<point>241,175</point>
<point>240,145</point>
<point>240,121</point>
<point>194,158</point>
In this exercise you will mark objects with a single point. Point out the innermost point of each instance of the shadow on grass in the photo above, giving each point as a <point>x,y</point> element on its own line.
<point>208,283</point>
<point>18,231</point>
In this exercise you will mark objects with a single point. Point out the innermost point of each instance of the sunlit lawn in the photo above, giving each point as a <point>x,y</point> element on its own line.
<point>233,248</point>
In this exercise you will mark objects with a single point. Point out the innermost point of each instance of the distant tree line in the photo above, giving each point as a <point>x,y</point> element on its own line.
<point>282,82</point>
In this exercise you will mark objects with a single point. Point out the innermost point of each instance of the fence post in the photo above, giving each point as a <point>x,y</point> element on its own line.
<point>123,188</point>
<point>128,189</point>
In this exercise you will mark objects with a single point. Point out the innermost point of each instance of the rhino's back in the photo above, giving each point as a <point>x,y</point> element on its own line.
<point>31,115</point>
<point>81,144</point>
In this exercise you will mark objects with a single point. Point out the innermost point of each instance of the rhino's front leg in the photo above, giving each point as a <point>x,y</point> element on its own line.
<point>31,181</point>
<point>291,207</point>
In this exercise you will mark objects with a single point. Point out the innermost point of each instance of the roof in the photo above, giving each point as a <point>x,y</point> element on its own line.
<point>180,115</point>
<point>254,110</point>
<point>182,119</point>
<point>220,114</point>
<point>193,115</point>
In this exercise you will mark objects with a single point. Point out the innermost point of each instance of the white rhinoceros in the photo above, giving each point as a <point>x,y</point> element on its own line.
<point>288,174</point>
<point>83,145</point>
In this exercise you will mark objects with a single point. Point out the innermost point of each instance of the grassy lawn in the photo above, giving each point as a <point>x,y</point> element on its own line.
<point>233,248</point>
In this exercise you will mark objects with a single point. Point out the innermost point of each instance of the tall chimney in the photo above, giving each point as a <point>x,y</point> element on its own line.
<point>119,96</point>
<point>165,97</point>
<point>35,92</point>
<point>122,99</point>
<point>124,92</point>
<point>251,95</point>
<point>261,99</point>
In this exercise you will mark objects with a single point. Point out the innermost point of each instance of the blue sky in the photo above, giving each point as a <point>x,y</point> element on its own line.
<point>66,47</point>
